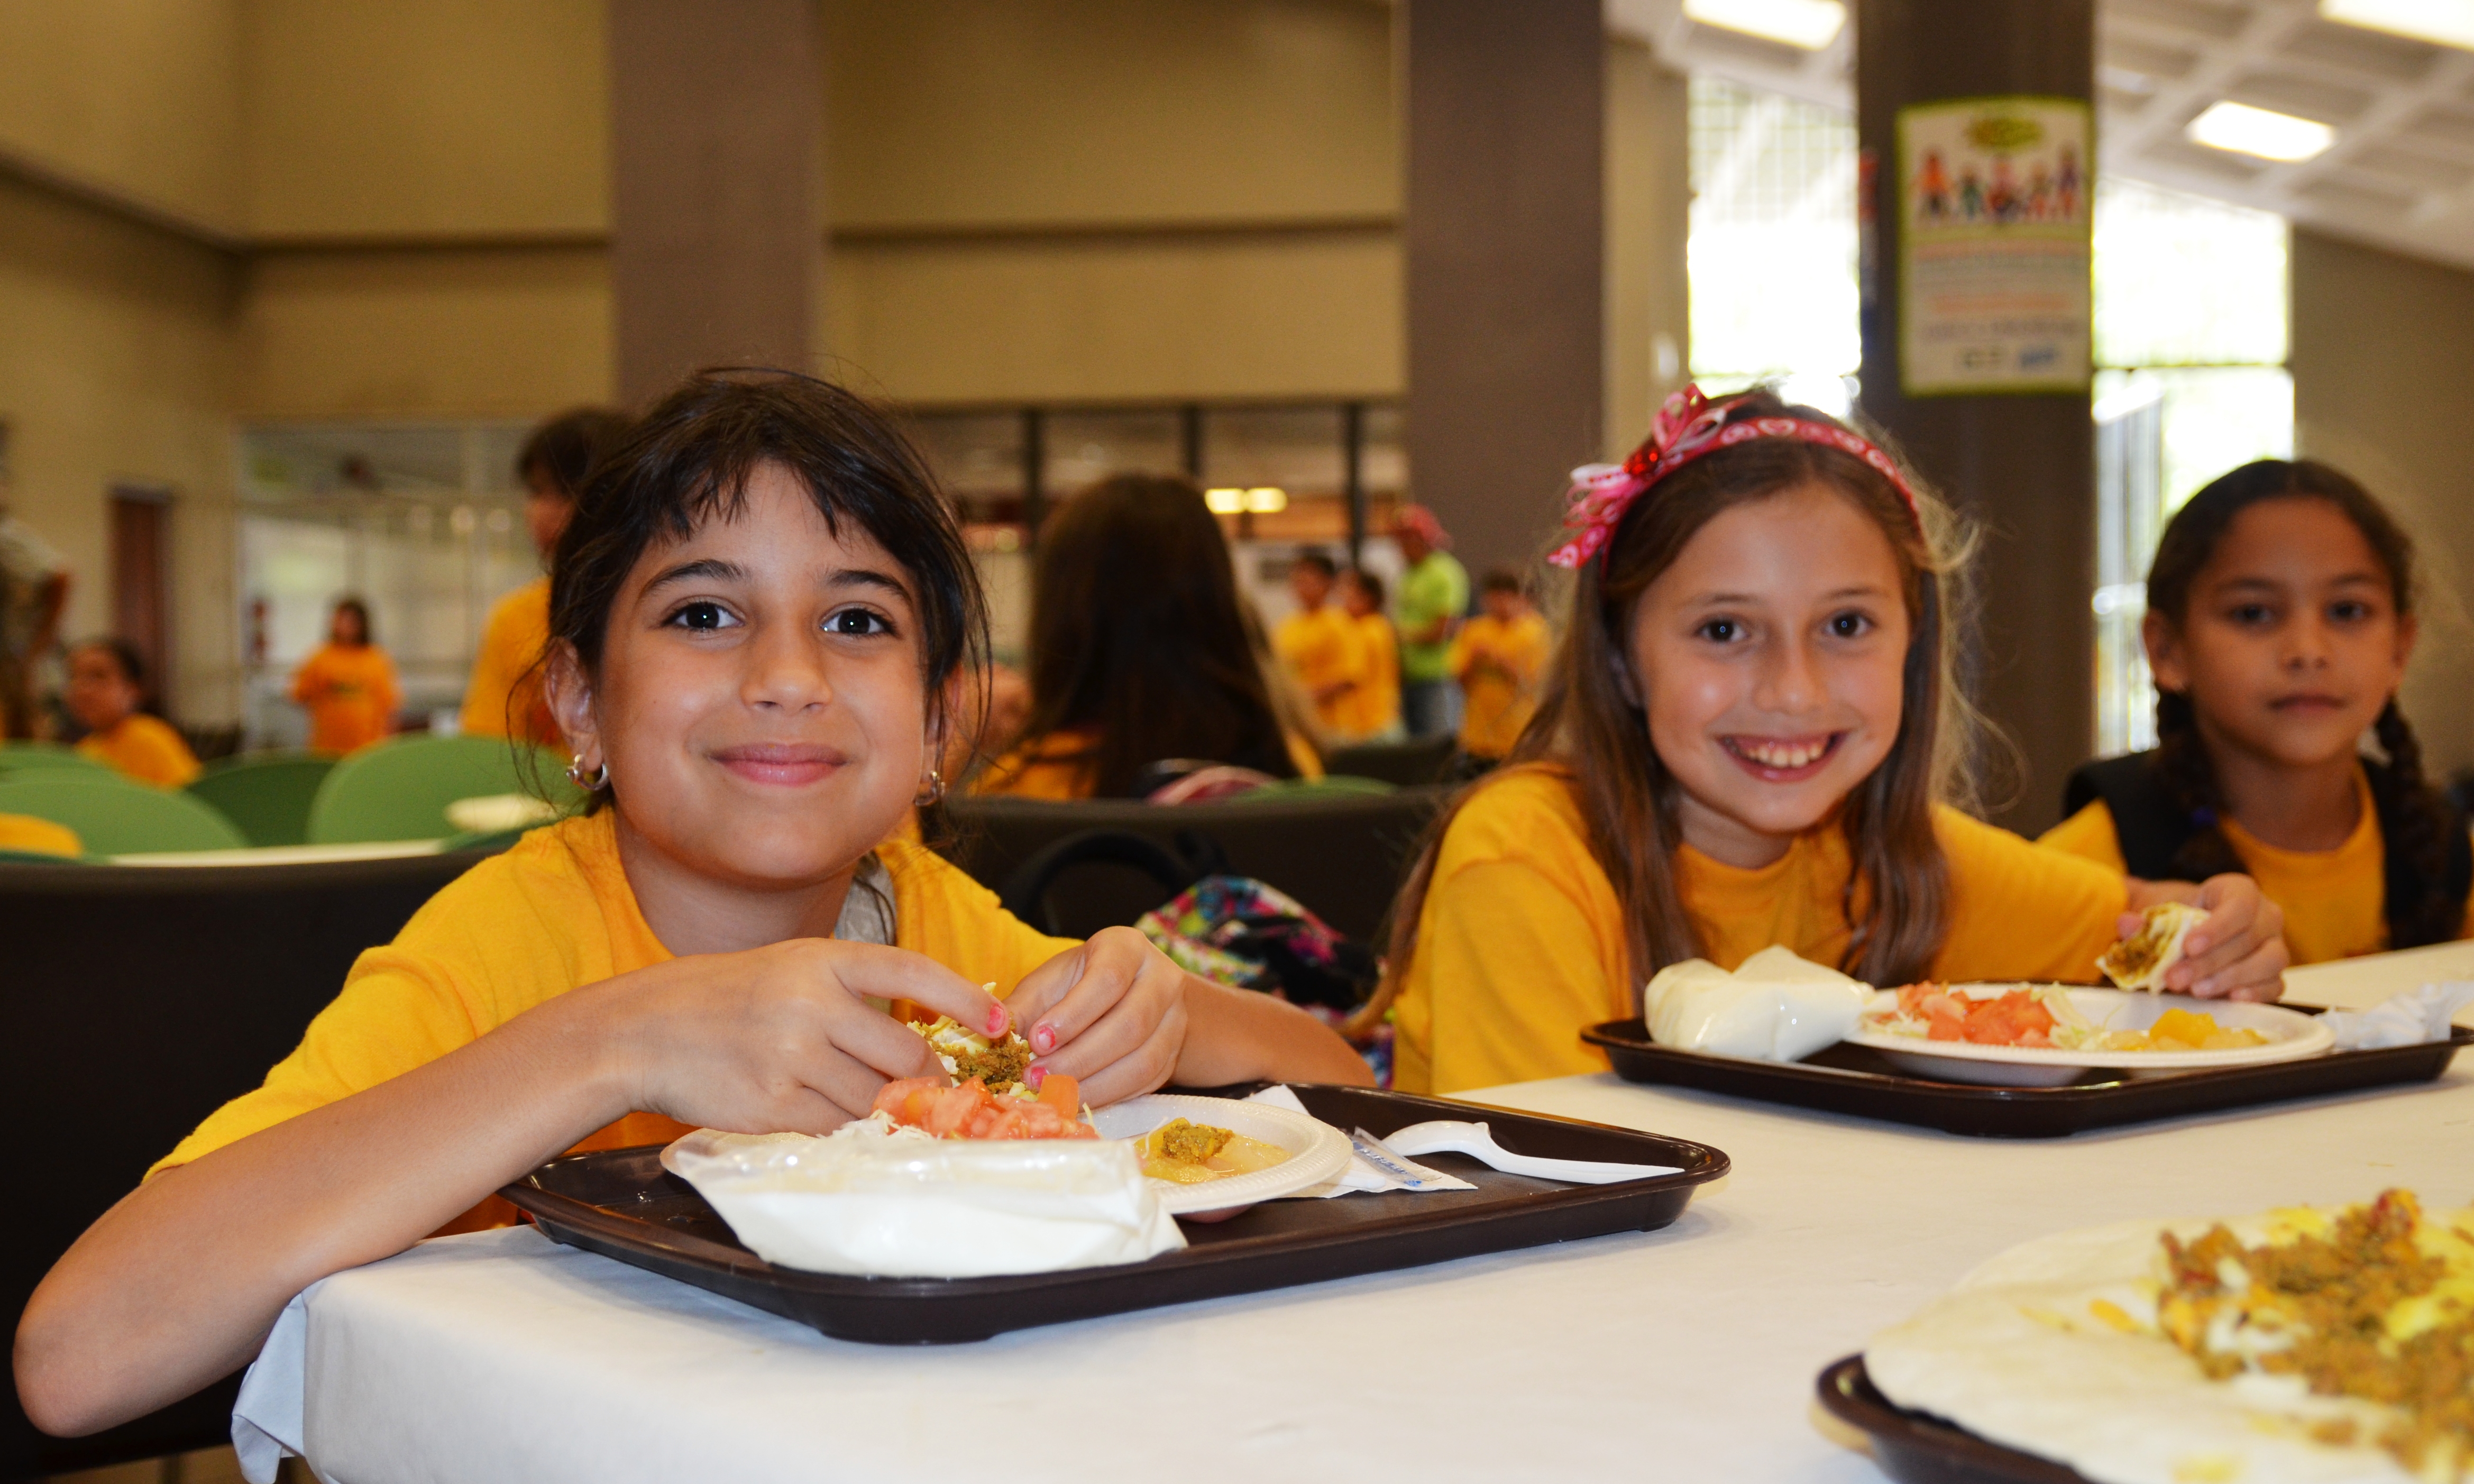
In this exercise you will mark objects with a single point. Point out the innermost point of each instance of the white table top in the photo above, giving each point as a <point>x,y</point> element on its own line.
<point>1685,1353</point>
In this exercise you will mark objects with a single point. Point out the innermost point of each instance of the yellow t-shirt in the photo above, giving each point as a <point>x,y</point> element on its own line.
<point>505,686</point>
<point>1522,941</point>
<point>1052,768</point>
<point>1323,648</point>
<point>351,694</point>
<point>2335,901</point>
<point>1373,707</point>
<point>552,914</point>
<point>146,748</point>
<point>29,836</point>
<point>1500,697</point>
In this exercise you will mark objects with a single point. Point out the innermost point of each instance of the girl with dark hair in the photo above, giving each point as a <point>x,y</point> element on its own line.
<point>107,695</point>
<point>1747,738</point>
<point>349,686</point>
<point>1140,650</point>
<point>2280,616</point>
<point>761,618</point>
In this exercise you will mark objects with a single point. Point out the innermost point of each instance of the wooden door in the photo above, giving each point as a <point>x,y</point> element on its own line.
<point>141,585</point>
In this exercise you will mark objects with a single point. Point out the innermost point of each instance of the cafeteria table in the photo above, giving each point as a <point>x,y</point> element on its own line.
<point>1685,1353</point>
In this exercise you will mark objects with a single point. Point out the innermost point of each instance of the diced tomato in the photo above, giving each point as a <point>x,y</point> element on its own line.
<point>970,1111</point>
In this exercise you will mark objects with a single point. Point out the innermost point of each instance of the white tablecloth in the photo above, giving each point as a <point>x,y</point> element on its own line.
<point>1688,1354</point>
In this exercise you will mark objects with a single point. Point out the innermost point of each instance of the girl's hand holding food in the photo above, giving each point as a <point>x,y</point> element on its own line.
<point>1111,1014</point>
<point>772,1039</point>
<point>2239,952</point>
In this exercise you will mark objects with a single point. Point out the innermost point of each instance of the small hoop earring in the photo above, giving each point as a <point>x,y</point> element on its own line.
<point>594,784</point>
<point>935,788</point>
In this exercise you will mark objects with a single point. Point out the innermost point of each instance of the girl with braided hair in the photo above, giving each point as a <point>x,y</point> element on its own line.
<point>2281,612</point>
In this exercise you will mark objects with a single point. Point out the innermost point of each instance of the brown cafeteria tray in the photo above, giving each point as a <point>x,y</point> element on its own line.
<point>1844,1078</point>
<point>622,1204</point>
<point>1917,1447</point>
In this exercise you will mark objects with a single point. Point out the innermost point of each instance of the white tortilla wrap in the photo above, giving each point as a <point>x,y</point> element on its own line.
<point>2166,925</point>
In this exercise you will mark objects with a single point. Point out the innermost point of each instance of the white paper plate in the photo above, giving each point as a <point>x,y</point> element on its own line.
<point>2292,1036</point>
<point>1317,1150</point>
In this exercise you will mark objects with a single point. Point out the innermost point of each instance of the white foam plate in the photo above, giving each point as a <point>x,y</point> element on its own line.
<point>1317,1150</point>
<point>2292,1036</point>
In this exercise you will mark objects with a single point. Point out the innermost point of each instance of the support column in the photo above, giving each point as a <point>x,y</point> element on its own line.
<point>717,179</point>
<point>1504,246</point>
<point>2020,462</point>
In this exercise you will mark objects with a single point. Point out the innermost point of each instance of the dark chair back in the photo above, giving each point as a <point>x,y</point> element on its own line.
<point>1342,855</point>
<point>136,1001</point>
<point>1408,764</point>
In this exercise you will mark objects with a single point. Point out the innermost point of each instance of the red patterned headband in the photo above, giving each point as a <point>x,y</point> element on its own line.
<point>1689,426</point>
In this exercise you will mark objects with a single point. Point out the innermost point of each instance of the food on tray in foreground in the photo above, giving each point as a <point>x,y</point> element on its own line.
<point>2304,1345</point>
<point>2041,1017</point>
<point>1775,1006</point>
<point>967,1053</point>
<point>2140,961</point>
<point>1189,1153</point>
<point>970,1111</point>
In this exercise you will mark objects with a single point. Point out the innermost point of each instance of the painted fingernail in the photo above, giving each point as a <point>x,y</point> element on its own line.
<point>996,1020</point>
<point>1043,1037</point>
<point>1034,1074</point>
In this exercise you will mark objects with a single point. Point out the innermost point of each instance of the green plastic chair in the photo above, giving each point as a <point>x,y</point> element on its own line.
<point>268,794</point>
<point>26,757</point>
<point>400,789</point>
<point>115,819</point>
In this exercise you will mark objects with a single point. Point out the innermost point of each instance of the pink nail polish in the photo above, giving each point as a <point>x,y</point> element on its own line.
<point>1043,1037</point>
<point>1034,1074</point>
<point>996,1020</point>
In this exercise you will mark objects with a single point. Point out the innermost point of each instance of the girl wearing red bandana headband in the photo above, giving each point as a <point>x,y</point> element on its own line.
<point>1749,737</point>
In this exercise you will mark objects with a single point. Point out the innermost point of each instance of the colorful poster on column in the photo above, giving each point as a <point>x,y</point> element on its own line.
<point>1993,210</point>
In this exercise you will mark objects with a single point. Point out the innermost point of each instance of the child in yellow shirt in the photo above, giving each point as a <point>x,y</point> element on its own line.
<point>1375,706</point>
<point>2280,618</point>
<point>1739,746</point>
<point>1321,645</point>
<point>1499,657</point>
<point>106,694</point>
<point>349,686</point>
<point>759,623</point>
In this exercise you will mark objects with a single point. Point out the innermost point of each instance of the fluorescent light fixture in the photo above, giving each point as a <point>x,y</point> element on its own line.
<point>2446,22</point>
<point>1268,499</point>
<point>2239,127</point>
<point>1224,501</point>
<point>1809,24</point>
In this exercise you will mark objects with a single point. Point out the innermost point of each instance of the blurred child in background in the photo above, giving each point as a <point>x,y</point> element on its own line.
<point>1321,645</point>
<point>349,686</point>
<point>1499,659</point>
<point>504,699</point>
<point>2280,616</point>
<point>1428,606</point>
<point>1374,710</point>
<point>107,694</point>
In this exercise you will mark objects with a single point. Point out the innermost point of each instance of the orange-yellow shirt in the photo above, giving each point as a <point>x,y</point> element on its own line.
<point>1373,707</point>
<point>351,694</point>
<point>1500,693</point>
<point>551,914</point>
<point>2335,901</point>
<point>1521,941</point>
<point>1323,649</point>
<point>146,748</point>
<point>29,836</point>
<point>1053,766</point>
<point>504,698</point>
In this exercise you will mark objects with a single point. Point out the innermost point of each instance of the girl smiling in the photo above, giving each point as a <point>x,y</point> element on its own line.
<point>1745,741</point>
<point>760,617</point>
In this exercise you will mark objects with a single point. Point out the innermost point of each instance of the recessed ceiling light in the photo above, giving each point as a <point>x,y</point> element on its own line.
<point>2270,136</point>
<point>1809,24</point>
<point>2447,22</point>
<point>1224,501</point>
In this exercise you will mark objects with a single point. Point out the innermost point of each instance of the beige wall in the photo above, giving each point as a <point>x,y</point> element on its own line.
<point>392,119</point>
<point>2381,350</point>
<point>119,368</point>
<point>1649,205</point>
<point>137,99</point>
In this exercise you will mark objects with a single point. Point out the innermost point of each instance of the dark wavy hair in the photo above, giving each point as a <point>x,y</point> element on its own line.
<point>1137,636</point>
<point>2181,760</point>
<point>688,461</point>
<point>564,449</point>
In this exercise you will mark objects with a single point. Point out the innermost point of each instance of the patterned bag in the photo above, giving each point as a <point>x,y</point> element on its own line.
<point>1237,931</point>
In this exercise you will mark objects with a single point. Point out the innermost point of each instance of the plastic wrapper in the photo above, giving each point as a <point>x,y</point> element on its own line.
<point>2408,1019</point>
<point>867,1202</point>
<point>1776,1007</point>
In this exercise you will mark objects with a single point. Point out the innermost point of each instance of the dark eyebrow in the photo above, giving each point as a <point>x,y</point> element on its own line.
<point>709,569</point>
<point>868,577</point>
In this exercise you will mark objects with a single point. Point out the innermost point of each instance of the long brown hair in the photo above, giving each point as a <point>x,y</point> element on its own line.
<point>2424,822</point>
<point>1590,733</point>
<point>1138,637</point>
